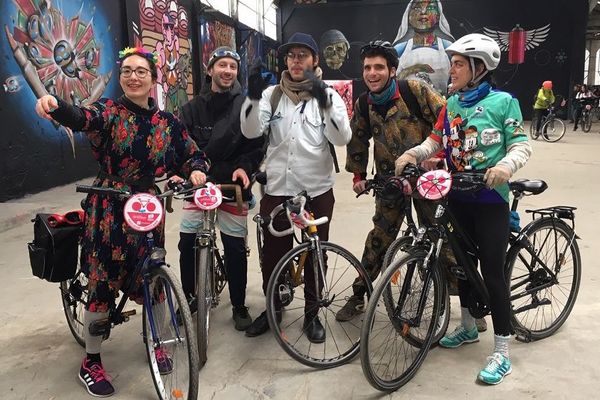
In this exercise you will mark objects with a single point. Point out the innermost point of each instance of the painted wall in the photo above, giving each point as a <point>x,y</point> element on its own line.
<point>540,39</point>
<point>65,48</point>
<point>69,48</point>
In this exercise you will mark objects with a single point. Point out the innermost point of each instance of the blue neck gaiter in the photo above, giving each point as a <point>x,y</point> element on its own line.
<point>471,97</point>
<point>385,95</point>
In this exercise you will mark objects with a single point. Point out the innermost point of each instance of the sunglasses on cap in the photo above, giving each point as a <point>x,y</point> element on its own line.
<point>225,53</point>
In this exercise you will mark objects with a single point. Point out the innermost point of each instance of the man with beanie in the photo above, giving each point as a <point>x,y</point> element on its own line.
<point>396,115</point>
<point>213,120</point>
<point>307,118</point>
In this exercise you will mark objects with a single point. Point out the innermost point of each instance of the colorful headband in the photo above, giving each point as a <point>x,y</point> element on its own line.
<point>140,51</point>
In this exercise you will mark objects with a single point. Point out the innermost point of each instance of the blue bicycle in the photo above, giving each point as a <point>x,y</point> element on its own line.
<point>167,326</point>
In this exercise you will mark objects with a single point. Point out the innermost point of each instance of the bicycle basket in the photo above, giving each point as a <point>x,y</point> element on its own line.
<point>53,252</point>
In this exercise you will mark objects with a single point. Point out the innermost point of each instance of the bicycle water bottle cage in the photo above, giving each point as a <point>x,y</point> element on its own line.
<point>209,197</point>
<point>433,185</point>
<point>143,212</point>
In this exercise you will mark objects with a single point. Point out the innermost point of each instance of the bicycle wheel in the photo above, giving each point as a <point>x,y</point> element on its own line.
<point>541,302</point>
<point>586,123</point>
<point>204,264</point>
<point>170,348</point>
<point>553,130</point>
<point>74,295</point>
<point>532,131</point>
<point>292,287</point>
<point>400,248</point>
<point>393,343</point>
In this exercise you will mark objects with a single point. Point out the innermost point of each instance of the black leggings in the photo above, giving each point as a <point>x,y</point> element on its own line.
<point>488,226</point>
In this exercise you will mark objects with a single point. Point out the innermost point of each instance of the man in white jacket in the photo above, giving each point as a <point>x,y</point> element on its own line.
<point>305,119</point>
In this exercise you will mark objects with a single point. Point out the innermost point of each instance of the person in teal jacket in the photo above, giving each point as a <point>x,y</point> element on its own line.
<point>480,128</point>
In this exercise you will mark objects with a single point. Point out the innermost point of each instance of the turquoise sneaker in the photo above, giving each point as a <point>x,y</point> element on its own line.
<point>496,369</point>
<point>459,336</point>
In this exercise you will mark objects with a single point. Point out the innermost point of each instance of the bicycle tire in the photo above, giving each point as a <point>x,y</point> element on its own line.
<point>548,238</point>
<point>74,296</point>
<point>204,258</point>
<point>553,130</point>
<point>341,343</point>
<point>399,248</point>
<point>174,335</point>
<point>586,123</point>
<point>379,356</point>
<point>532,131</point>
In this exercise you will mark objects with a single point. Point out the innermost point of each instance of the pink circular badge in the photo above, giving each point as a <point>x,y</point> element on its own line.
<point>433,185</point>
<point>208,197</point>
<point>143,212</point>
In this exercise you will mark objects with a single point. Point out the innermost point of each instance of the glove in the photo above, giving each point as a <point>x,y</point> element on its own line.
<point>403,160</point>
<point>318,89</point>
<point>496,176</point>
<point>256,82</point>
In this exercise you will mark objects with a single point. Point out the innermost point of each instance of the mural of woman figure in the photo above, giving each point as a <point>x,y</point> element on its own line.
<point>423,36</point>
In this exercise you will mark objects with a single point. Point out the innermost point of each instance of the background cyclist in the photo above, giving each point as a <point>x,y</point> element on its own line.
<point>543,101</point>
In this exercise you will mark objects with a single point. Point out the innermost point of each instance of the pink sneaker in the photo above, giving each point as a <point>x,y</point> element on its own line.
<point>95,379</point>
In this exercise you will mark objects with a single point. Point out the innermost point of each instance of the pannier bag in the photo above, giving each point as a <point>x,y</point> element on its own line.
<point>53,252</point>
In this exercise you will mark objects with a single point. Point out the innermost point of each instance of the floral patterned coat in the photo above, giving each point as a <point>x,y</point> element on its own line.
<point>132,146</point>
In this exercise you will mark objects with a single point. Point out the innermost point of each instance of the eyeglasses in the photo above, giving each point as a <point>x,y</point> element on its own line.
<point>225,53</point>
<point>140,72</point>
<point>300,56</point>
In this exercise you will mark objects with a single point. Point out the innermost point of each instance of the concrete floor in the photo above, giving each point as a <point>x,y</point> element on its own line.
<point>40,359</point>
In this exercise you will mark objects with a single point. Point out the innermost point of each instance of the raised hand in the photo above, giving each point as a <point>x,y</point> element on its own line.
<point>318,89</point>
<point>256,82</point>
<point>45,105</point>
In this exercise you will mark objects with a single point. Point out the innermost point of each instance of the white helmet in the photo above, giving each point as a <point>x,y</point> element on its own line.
<point>476,45</point>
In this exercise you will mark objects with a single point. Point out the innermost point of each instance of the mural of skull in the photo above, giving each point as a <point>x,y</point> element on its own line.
<point>335,47</point>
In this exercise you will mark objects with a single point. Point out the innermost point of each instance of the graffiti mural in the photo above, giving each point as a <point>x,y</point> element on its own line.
<point>214,34</point>
<point>67,48</point>
<point>163,27</point>
<point>57,53</point>
<point>344,89</point>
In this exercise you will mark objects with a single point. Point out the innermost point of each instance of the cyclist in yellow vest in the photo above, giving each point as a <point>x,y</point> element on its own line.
<point>544,100</point>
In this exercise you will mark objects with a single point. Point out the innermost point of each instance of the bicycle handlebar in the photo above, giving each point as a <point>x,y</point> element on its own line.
<point>293,206</point>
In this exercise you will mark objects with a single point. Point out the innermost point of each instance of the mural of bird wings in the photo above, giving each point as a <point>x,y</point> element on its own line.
<point>533,37</point>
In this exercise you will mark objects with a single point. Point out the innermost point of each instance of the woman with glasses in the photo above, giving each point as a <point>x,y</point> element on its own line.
<point>133,142</point>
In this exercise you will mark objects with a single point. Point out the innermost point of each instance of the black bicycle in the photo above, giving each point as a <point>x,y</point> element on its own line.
<point>552,128</point>
<point>543,265</point>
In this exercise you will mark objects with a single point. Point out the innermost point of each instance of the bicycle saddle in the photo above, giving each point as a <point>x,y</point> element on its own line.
<point>535,186</point>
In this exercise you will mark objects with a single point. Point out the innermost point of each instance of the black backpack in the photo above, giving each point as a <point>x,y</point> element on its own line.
<point>53,252</point>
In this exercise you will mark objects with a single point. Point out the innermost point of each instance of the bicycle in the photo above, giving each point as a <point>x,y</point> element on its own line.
<point>552,128</point>
<point>292,295</point>
<point>398,330</point>
<point>163,298</point>
<point>210,274</point>
<point>586,117</point>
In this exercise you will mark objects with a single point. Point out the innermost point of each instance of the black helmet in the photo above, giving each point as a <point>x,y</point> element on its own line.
<point>380,48</point>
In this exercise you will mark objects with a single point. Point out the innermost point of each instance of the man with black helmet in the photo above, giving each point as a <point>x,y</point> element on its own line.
<point>303,123</point>
<point>396,115</point>
<point>213,120</point>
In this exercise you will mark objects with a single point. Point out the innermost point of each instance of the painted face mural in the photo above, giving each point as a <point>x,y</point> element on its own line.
<point>422,38</point>
<point>56,54</point>
<point>164,25</point>
<point>424,15</point>
<point>335,48</point>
